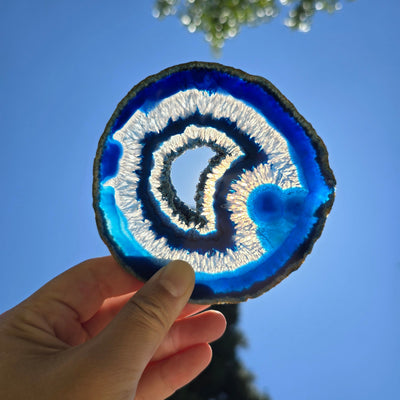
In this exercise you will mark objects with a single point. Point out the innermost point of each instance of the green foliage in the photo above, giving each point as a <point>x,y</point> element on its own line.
<point>225,378</point>
<point>302,11</point>
<point>222,19</point>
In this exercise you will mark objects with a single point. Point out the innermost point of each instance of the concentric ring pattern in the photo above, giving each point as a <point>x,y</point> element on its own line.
<point>261,202</point>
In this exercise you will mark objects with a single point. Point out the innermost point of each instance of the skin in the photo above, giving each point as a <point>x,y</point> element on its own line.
<point>96,332</point>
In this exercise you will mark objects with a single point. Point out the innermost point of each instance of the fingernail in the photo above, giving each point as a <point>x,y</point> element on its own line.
<point>177,278</point>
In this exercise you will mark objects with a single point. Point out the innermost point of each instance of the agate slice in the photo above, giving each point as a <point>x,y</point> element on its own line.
<point>260,204</point>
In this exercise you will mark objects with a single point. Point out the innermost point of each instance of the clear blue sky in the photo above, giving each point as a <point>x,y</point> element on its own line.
<point>331,330</point>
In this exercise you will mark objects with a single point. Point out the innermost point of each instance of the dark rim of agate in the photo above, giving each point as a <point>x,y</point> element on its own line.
<point>322,212</point>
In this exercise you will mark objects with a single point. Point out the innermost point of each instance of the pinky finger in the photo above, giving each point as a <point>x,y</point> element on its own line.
<point>161,379</point>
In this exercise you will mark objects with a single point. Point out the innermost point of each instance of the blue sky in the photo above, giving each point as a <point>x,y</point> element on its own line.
<point>331,330</point>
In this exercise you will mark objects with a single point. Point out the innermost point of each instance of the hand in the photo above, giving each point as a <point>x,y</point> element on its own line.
<point>83,336</point>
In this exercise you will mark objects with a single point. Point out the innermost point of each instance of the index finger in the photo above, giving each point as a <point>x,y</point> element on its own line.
<point>111,307</point>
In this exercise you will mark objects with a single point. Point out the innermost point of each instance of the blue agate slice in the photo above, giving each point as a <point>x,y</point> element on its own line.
<point>260,204</point>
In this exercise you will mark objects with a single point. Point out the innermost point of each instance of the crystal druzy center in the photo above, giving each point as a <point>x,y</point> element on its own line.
<point>260,203</point>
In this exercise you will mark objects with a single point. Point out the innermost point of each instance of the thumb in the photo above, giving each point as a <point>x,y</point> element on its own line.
<point>132,338</point>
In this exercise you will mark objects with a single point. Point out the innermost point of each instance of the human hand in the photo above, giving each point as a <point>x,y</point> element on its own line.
<point>83,336</point>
